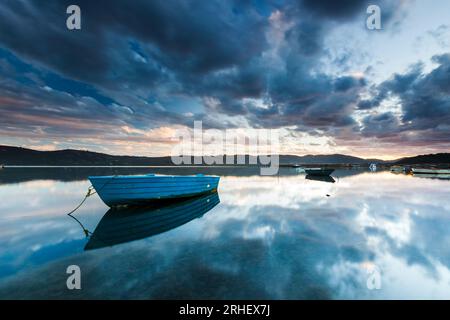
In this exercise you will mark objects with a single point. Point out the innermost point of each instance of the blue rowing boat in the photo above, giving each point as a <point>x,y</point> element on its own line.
<point>142,189</point>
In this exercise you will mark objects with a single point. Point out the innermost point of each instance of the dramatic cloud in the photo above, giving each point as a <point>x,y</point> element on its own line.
<point>336,9</point>
<point>151,64</point>
<point>425,105</point>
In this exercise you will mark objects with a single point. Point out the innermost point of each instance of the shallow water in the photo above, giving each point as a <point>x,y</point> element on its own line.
<point>367,236</point>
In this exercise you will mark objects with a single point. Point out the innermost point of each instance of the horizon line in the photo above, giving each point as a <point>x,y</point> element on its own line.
<point>217,155</point>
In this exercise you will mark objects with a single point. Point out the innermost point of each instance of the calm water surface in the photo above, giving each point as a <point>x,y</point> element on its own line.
<point>282,237</point>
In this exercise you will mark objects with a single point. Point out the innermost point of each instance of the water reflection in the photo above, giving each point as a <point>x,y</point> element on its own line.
<point>16,175</point>
<point>134,223</point>
<point>270,237</point>
<point>329,179</point>
<point>432,176</point>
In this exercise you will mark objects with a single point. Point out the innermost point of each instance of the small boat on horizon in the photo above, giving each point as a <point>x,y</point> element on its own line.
<point>397,169</point>
<point>300,170</point>
<point>144,189</point>
<point>319,171</point>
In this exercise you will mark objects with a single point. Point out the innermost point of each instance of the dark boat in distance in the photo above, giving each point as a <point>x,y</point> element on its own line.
<point>323,172</point>
<point>320,178</point>
<point>121,225</point>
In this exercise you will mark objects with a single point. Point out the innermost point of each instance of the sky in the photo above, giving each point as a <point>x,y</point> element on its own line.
<point>138,72</point>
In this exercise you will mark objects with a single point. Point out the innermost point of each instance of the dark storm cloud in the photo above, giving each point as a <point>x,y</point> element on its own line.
<point>178,35</point>
<point>249,81</point>
<point>343,9</point>
<point>307,37</point>
<point>31,108</point>
<point>299,95</point>
<point>368,104</point>
<point>346,83</point>
<point>424,100</point>
<point>297,98</point>
<point>381,125</point>
<point>39,34</point>
<point>131,51</point>
<point>428,97</point>
<point>129,58</point>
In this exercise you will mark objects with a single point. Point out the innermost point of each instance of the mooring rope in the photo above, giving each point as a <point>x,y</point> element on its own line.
<point>87,233</point>
<point>91,191</point>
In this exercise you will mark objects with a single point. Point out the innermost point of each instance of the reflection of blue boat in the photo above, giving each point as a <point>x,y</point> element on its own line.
<point>141,189</point>
<point>122,225</point>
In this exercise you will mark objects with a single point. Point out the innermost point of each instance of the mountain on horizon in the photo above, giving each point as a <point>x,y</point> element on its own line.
<point>10,155</point>
<point>329,159</point>
<point>437,158</point>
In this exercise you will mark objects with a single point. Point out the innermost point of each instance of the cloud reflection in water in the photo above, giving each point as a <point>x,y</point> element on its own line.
<point>270,237</point>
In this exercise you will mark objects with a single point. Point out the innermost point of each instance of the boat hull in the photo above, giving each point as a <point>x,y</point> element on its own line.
<point>319,172</point>
<point>397,169</point>
<point>320,178</point>
<point>144,189</point>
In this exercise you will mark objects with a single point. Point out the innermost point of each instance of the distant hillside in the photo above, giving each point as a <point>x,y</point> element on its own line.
<point>21,156</point>
<point>438,158</point>
<point>328,159</point>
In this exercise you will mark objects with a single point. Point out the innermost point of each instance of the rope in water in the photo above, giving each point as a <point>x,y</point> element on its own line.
<point>87,233</point>
<point>89,193</point>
